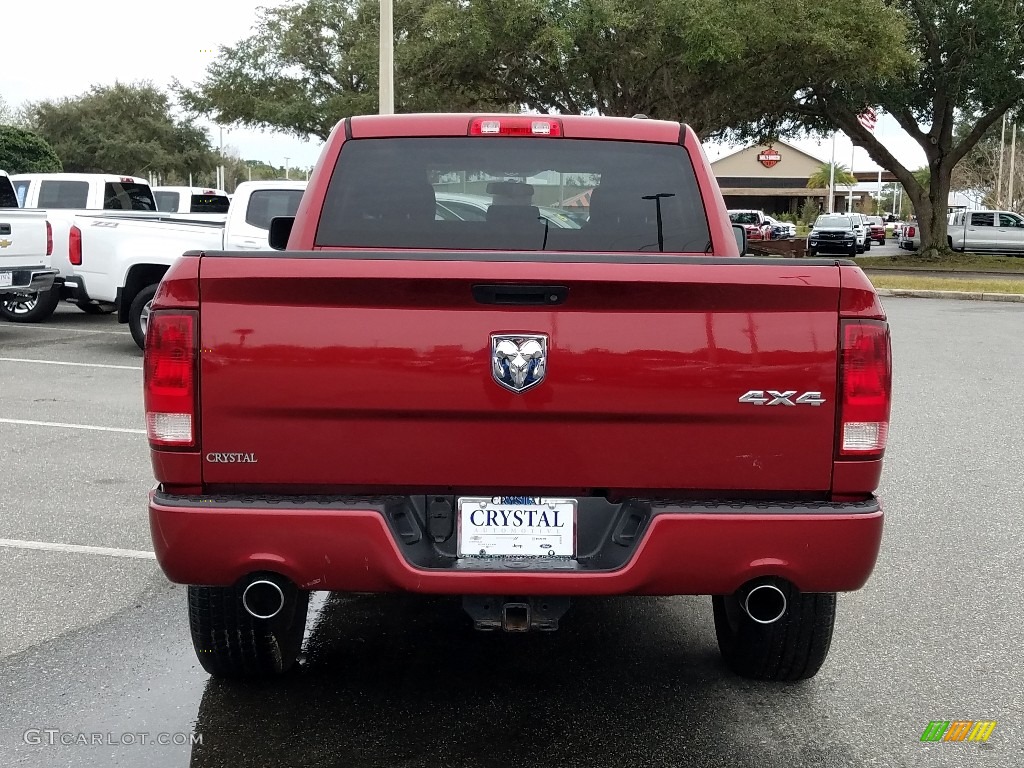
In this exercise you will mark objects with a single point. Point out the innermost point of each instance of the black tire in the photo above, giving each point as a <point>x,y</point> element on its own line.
<point>231,644</point>
<point>138,314</point>
<point>853,251</point>
<point>93,309</point>
<point>867,246</point>
<point>793,648</point>
<point>811,253</point>
<point>882,241</point>
<point>30,310</point>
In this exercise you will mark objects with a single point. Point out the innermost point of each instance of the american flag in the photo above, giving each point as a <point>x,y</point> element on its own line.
<point>868,118</point>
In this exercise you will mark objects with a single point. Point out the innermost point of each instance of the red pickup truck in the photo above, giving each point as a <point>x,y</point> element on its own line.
<point>512,412</point>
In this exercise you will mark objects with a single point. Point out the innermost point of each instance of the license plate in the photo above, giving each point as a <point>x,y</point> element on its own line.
<point>6,279</point>
<point>517,526</point>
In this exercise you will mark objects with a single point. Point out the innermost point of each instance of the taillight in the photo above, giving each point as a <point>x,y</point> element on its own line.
<point>515,126</point>
<point>169,379</point>
<point>910,232</point>
<point>75,246</point>
<point>49,239</point>
<point>865,384</point>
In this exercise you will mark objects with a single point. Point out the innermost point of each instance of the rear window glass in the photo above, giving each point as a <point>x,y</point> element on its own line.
<point>63,194</point>
<point>21,188</point>
<point>983,219</point>
<point>210,204</point>
<point>265,204</point>
<point>8,197</point>
<point>123,196</point>
<point>528,194</point>
<point>167,201</point>
<point>744,217</point>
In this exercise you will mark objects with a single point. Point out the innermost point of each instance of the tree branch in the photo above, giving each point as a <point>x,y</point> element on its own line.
<point>847,120</point>
<point>980,128</point>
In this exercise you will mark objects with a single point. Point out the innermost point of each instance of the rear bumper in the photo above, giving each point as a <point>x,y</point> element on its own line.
<point>353,545</point>
<point>28,280</point>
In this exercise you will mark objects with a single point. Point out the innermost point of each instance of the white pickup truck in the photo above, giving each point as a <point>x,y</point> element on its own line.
<point>191,200</point>
<point>26,246</point>
<point>118,260</point>
<point>61,197</point>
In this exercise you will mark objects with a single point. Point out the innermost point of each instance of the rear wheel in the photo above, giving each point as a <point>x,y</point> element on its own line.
<point>230,643</point>
<point>792,648</point>
<point>30,309</point>
<point>138,314</point>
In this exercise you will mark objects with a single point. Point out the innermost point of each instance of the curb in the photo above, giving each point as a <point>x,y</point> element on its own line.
<point>962,295</point>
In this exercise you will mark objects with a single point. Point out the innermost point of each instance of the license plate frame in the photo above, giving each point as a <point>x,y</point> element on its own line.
<point>522,542</point>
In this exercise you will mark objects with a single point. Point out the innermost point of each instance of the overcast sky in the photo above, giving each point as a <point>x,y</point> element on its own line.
<point>57,48</point>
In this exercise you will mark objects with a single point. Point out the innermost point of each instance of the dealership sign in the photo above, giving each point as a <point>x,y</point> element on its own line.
<point>769,157</point>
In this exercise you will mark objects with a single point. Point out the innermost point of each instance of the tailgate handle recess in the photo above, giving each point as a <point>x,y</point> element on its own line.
<point>523,295</point>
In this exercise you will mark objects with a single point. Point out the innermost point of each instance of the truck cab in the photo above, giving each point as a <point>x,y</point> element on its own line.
<point>120,258</point>
<point>987,231</point>
<point>191,200</point>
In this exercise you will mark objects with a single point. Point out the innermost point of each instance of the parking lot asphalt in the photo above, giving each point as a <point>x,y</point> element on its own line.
<point>95,642</point>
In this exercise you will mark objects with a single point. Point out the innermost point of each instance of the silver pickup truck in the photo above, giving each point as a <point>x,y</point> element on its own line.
<point>26,245</point>
<point>987,231</point>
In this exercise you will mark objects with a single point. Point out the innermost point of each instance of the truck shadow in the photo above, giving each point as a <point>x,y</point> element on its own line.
<point>405,681</point>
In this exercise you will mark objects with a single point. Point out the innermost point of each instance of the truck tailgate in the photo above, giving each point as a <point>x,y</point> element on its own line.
<point>23,238</point>
<point>343,372</point>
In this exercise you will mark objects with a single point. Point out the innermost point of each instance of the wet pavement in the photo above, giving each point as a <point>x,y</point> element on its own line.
<point>95,650</point>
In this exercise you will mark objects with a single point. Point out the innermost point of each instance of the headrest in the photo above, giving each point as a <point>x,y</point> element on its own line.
<point>510,192</point>
<point>516,215</point>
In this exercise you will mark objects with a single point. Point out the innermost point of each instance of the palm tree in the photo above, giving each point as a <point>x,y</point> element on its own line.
<point>820,178</point>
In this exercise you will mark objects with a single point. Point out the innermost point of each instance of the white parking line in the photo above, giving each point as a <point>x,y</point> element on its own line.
<point>72,426</point>
<point>26,327</point>
<point>60,362</point>
<point>108,551</point>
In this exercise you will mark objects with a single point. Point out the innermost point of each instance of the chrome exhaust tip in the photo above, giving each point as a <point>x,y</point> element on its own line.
<point>764,603</point>
<point>263,599</point>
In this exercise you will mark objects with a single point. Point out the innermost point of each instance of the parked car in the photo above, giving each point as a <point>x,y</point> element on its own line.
<point>833,233</point>
<point>26,247</point>
<point>860,223</point>
<point>119,260</point>
<point>295,399</point>
<point>910,237</point>
<point>63,196</point>
<point>781,230</point>
<point>191,200</point>
<point>464,207</point>
<point>987,231</point>
<point>876,229</point>
<point>754,222</point>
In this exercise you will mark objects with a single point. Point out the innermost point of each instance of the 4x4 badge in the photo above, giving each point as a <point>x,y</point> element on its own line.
<point>771,397</point>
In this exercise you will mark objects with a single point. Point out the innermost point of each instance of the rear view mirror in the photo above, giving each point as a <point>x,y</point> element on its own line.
<point>280,231</point>
<point>740,233</point>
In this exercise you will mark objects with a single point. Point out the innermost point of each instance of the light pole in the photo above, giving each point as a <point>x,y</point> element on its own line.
<point>387,58</point>
<point>221,183</point>
<point>999,177</point>
<point>286,167</point>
